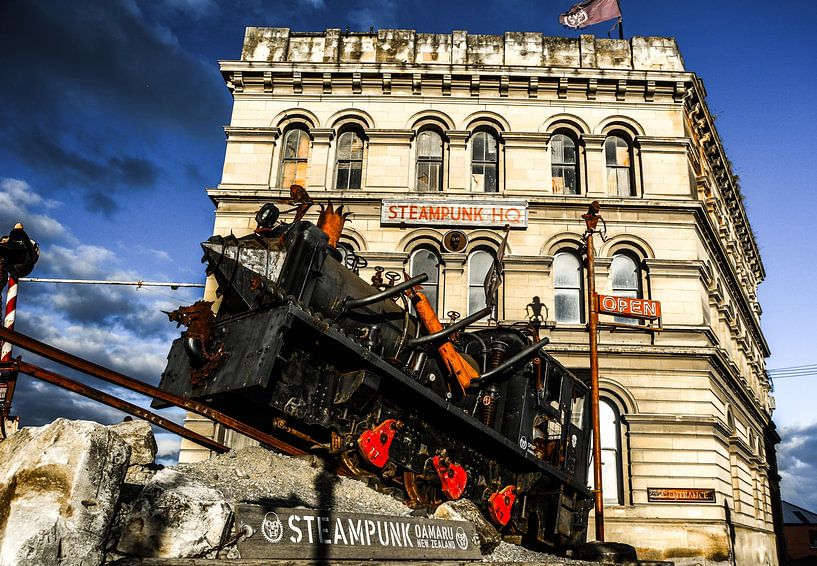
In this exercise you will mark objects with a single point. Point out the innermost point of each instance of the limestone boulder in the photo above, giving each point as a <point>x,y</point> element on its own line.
<point>174,517</point>
<point>465,510</point>
<point>139,436</point>
<point>59,486</point>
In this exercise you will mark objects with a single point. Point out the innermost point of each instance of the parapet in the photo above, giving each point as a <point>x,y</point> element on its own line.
<point>407,47</point>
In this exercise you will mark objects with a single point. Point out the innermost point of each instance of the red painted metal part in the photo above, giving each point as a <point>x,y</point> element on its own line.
<point>500,503</point>
<point>453,477</point>
<point>374,444</point>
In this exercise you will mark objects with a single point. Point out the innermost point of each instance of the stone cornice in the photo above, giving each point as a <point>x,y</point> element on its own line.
<point>389,136</point>
<point>651,143</point>
<point>702,120</point>
<point>525,139</point>
<point>251,135</point>
<point>325,135</point>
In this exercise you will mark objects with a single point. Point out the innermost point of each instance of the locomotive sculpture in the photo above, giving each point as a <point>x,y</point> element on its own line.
<point>368,377</point>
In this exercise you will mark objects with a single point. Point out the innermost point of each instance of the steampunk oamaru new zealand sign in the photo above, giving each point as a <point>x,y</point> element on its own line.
<point>275,532</point>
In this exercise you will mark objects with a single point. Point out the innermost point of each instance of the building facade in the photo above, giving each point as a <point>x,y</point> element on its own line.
<point>437,142</point>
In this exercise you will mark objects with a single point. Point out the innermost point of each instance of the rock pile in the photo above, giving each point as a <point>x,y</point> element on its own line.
<point>80,493</point>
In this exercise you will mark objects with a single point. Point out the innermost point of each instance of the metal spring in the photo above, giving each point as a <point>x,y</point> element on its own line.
<point>498,351</point>
<point>487,407</point>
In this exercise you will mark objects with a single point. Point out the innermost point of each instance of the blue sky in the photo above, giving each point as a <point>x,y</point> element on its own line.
<point>111,117</point>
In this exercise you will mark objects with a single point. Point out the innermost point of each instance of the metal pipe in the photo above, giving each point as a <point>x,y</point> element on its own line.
<point>512,361</point>
<point>103,282</point>
<point>450,329</point>
<point>111,401</point>
<point>105,374</point>
<point>594,377</point>
<point>387,293</point>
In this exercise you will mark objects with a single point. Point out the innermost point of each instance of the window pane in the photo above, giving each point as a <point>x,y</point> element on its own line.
<point>429,144</point>
<point>569,152</point>
<point>288,174</point>
<point>303,145</point>
<point>566,269</point>
<point>423,181</point>
<point>435,179</point>
<point>345,145</point>
<point>355,175</point>
<point>623,182</point>
<point>478,177</point>
<point>490,146</point>
<point>557,149</point>
<point>343,176</point>
<point>571,185</point>
<point>300,173</point>
<point>425,261</point>
<point>624,272</point>
<point>476,299</point>
<point>481,262</point>
<point>291,144</point>
<point>568,306</point>
<point>356,146</point>
<point>478,147</point>
<point>490,179</point>
<point>616,151</point>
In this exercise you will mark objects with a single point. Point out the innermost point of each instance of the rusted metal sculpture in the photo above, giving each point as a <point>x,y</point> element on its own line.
<point>204,351</point>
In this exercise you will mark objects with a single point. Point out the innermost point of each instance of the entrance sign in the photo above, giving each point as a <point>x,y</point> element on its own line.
<point>455,213</point>
<point>630,307</point>
<point>276,532</point>
<point>675,495</point>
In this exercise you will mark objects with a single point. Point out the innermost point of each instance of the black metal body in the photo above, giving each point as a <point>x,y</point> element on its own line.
<point>300,363</point>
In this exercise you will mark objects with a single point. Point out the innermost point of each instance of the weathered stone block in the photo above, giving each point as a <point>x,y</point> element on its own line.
<point>465,510</point>
<point>58,490</point>
<point>174,517</point>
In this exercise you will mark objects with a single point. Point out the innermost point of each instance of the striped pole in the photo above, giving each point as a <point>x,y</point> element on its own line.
<point>8,321</point>
<point>9,379</point>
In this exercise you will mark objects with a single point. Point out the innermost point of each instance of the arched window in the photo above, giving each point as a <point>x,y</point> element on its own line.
<point>294,158</point>
<point>567,288</point>
<point>479,263</point>
<point>484,162</point>
<point>427,261</point>
<point>612,487</point>
<point>618,158</point>
<point>429,161</point>
<point>626,280</point>
<point>349,161</point>
<point>564,165</point>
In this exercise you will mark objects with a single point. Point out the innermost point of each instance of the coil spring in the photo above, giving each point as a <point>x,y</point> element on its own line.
<point>487,408</point>
<point>487,402</point>
<point>498,351</point>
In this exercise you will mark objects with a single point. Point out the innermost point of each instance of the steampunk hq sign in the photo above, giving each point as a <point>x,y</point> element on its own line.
<point>470,213</point>
<point>274,532</point>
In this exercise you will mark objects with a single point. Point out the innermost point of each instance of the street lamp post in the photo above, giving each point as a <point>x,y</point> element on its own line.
<point>591,220</point>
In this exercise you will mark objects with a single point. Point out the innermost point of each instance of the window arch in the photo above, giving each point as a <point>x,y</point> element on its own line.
<point>429,163</point>
<point>485,161</point>
<point>349,160</point>
<point>294,158</point>
<point>427,260</point>
<point>625,274</point>
<point>479,263</point>
<point>612,486</point>
<point>564,164</point>
<point>568,288</point>
<point>618,161</point>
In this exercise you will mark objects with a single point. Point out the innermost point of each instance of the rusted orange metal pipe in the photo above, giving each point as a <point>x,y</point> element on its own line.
<point>457,367</point>
<point>105,374</point>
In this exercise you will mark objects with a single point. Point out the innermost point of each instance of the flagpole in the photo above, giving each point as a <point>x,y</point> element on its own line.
<point>620,21</point>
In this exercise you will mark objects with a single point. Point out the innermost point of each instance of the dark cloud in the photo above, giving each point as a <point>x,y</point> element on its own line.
<point>797,460</point>
<point>99,95</point>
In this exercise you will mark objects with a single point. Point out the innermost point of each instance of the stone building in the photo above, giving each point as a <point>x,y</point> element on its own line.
<point>424,134</point>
